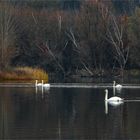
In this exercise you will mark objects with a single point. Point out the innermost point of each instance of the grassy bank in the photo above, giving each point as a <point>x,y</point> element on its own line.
<point>24,73</point>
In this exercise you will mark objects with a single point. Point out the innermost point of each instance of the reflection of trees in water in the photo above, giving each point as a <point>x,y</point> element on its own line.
<point>21,115</point>
<point>64,108</point>
<point>3,126</point>
<point>32,110</point>
<point>131,115</point>
<point>64,113</point>
<point>6,113</point>
<point>78,114</point>
<point>26,114</point>
<point>114,123</point>
<point>131,120</point>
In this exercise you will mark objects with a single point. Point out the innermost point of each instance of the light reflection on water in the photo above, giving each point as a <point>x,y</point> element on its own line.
<point>67,113</point>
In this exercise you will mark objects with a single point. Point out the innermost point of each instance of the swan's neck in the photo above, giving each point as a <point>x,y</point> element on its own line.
<point>35,82</point>
<point>42,82</point>
<point>106,95</point>
<point>114,84</point>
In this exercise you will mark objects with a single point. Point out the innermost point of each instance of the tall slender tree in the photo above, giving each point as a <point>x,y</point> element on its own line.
<point>7,34</point>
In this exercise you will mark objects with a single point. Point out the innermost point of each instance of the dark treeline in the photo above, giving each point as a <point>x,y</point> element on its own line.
<point>70,37</point>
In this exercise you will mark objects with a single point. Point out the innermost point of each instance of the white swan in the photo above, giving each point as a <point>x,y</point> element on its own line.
<point>114,99</point>
<point>47,86</point>
<point>38,84</point>
<point>42,85</point>
<point>118,86</point>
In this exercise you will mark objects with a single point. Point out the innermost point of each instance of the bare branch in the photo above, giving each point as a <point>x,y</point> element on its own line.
<point>34,18</point>
<point>115,37</point>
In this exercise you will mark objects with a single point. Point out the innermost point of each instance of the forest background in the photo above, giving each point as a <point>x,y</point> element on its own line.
<point>71,37</point>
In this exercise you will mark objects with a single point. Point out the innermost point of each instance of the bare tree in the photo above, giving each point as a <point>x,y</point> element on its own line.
<point>7,35</point>
<point>91,28</point>
<point>45,49</point>
<point>78,50</point>
<point>116,35</point>
<point>49,46</point>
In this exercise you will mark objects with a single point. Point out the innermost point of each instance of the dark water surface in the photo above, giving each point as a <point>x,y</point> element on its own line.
<point>68,113</point>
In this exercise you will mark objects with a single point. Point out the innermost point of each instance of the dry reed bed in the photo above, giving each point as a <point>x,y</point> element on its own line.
<point>24,73</point>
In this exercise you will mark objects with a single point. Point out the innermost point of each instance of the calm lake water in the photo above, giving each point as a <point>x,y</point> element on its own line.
<point>68,113</point>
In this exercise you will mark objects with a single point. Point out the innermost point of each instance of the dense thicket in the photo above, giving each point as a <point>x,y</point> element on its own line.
<point>69,36</point>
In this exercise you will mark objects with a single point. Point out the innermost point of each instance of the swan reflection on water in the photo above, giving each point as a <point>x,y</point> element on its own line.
<point>114,104</point>
<point>41,87</point>
<point>113,101</point>
<point>117,87</point>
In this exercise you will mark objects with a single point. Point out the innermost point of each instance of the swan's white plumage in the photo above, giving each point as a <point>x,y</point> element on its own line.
<point>112,99</point>
<point>38,84</point>
<point>47,85</point>
<point>115,98</point>
<point>118,86</point>
<point>115,104</point>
